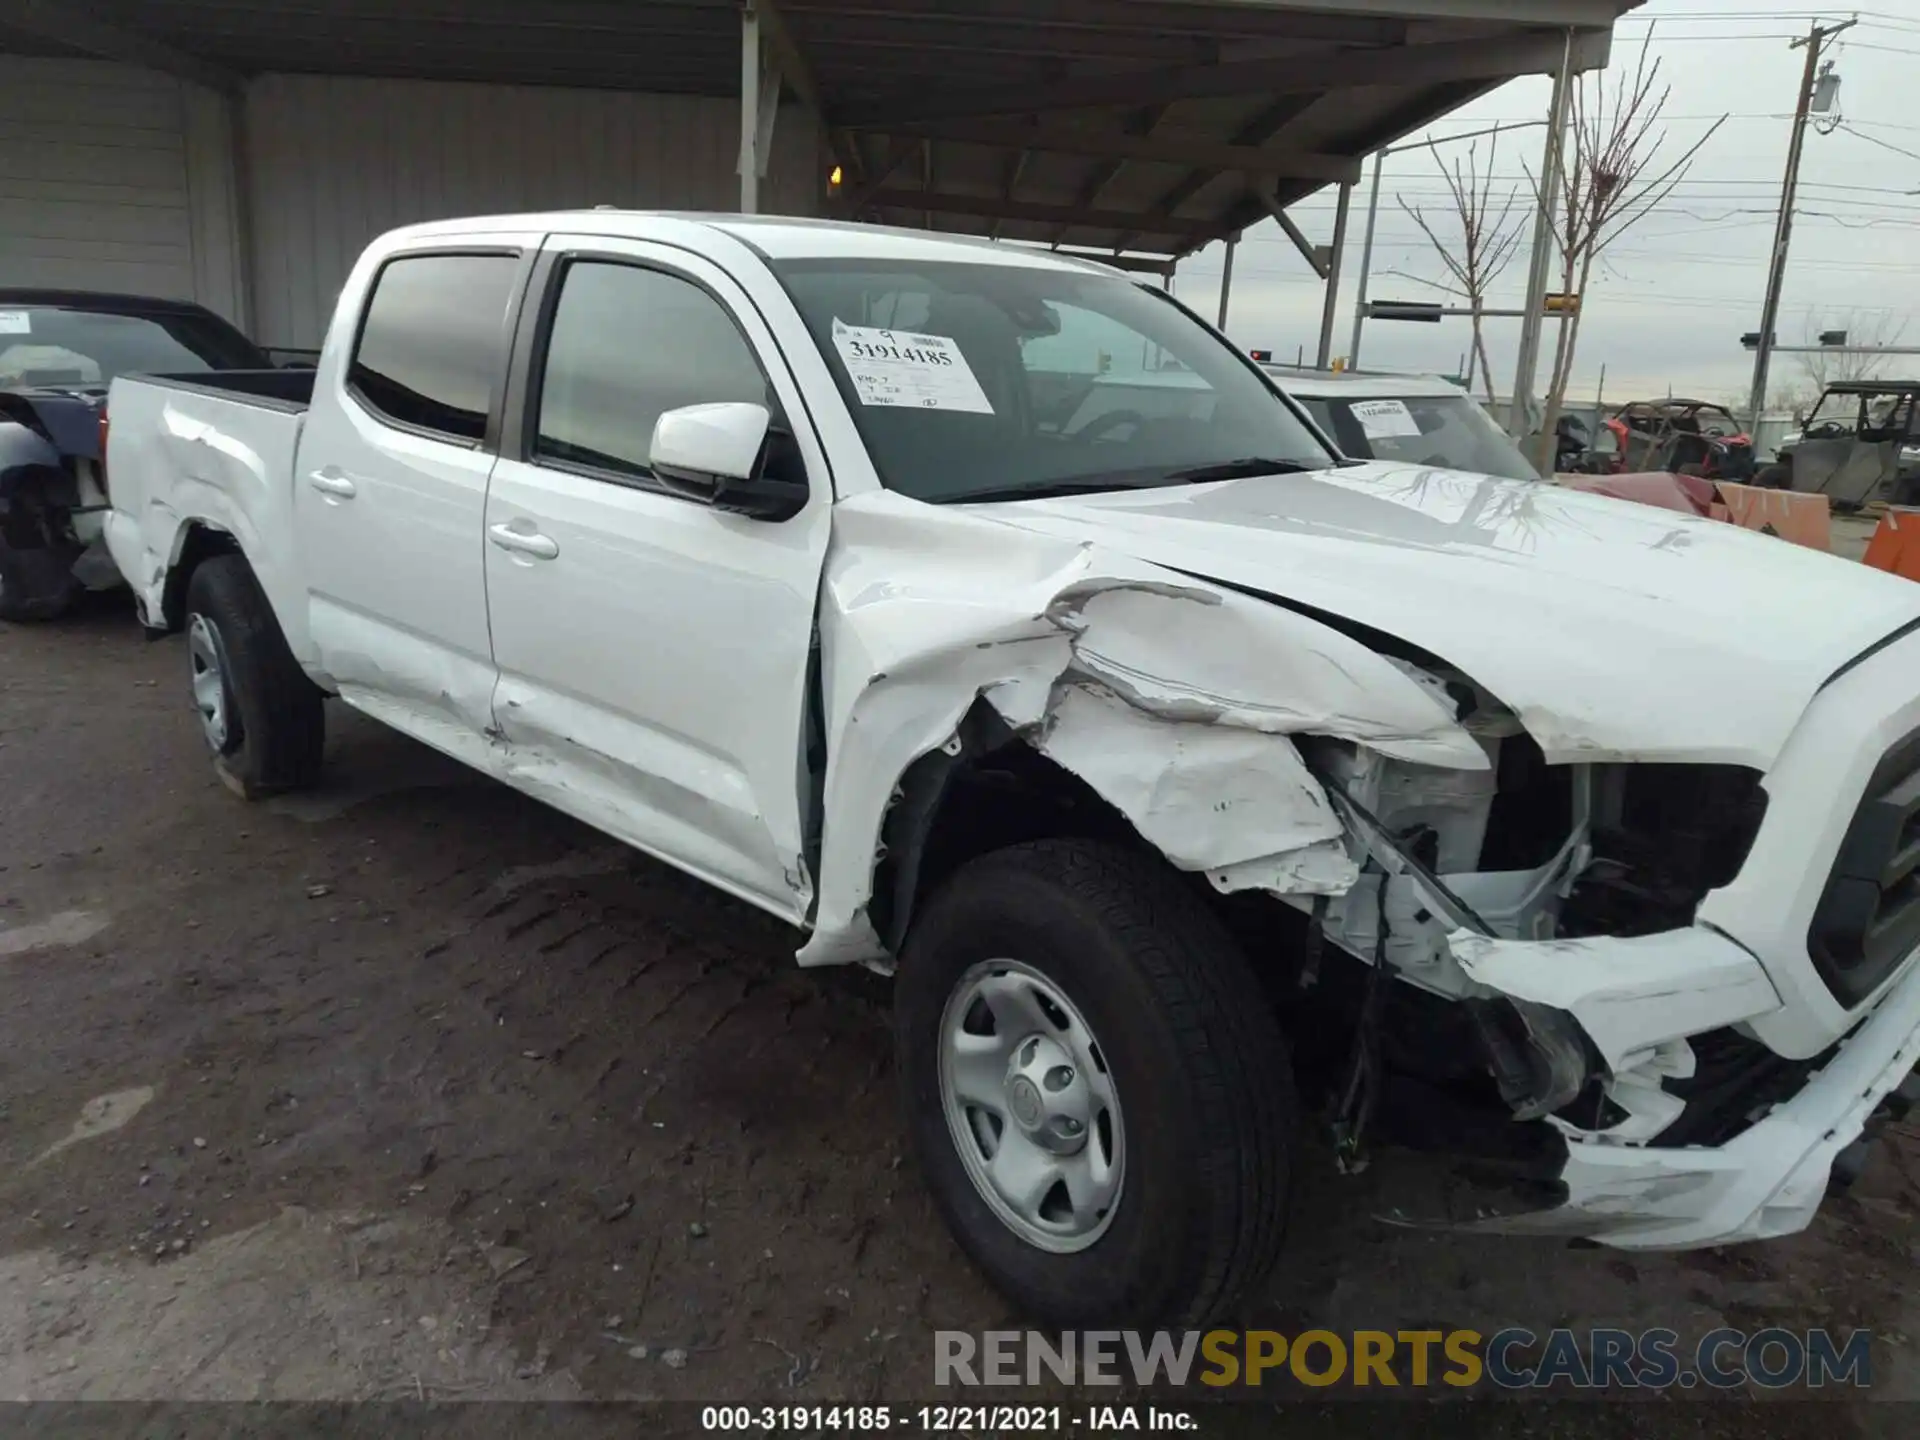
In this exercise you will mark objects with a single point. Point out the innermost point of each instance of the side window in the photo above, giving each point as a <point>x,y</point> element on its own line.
<point>434,340</point>
<point>627,345</point>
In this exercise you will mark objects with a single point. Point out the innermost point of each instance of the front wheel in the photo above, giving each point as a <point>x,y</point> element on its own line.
<point>1097,1089</point>
<point>260,715</point>
<point>1774,477</point>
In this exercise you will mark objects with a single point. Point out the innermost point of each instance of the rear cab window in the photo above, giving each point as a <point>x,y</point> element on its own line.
<point>433,342</point>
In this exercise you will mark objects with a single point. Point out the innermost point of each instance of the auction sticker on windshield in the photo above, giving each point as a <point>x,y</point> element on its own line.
<point>1385,419</point>
<point>899,367</point>
<point>15,322</point>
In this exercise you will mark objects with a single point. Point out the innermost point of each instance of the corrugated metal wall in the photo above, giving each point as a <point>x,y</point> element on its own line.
<point>332,161</point>
<point>115,178</point>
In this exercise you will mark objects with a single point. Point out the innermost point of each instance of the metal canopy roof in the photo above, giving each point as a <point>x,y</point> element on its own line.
<point>1145,126</point>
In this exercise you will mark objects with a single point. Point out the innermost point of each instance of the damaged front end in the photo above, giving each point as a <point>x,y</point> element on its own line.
<point>1554,906</point>
<point>1335,789</point>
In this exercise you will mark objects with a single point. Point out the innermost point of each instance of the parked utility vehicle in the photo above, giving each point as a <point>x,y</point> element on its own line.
<point>1569,833</point>
<point>1861,444</point>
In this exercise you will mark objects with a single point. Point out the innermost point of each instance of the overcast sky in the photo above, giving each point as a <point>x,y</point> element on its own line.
<point>1667,309</point>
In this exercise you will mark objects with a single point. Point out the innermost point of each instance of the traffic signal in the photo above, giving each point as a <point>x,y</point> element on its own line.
<point>1416,310</point>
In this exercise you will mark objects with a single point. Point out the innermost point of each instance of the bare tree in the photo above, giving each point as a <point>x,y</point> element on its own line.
<point>1612,176</point>
<point>1488,236</point>
<point>1822,368</point>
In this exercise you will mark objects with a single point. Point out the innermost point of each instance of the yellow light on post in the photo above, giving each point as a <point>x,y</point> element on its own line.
<point>833,178</point>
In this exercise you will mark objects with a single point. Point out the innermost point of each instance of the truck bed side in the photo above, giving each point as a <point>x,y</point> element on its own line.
<point>207,453</point>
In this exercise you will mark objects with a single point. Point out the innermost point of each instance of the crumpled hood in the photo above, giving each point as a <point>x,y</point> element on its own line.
<point>1614,630</point>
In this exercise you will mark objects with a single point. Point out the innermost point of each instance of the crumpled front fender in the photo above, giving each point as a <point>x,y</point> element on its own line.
<point>1173,698</point>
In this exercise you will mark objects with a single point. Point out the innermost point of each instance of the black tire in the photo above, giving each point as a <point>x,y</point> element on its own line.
<point>1774,477</point>
<point>1198,1063</point>
<point>276,727</point>
<point>36,584</point>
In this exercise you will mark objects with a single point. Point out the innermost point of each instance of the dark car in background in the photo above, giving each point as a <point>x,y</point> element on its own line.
<point>59,351</point>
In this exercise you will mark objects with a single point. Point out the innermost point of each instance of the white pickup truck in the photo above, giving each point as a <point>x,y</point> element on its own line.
<point>1174,765</point>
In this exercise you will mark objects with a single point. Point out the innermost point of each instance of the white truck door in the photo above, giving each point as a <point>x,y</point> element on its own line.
<point>654,654</point>
<point>391,484</point>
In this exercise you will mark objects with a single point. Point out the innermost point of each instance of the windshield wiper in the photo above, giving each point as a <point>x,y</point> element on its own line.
<point>1243,470</point>
<point>1047,490</point>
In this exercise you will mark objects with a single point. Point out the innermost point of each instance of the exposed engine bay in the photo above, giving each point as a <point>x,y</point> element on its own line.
<point>1523,851</point>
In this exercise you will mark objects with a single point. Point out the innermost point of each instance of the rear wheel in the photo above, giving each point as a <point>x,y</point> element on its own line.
<point>1774,477</point>
<point>262,718</point>
<point>1098,1092</point>
<point>36,584</point>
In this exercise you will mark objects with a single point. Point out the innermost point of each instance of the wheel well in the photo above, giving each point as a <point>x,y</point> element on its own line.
<point>202,543</point>
<point>987,792</point>
<point>34,501</point>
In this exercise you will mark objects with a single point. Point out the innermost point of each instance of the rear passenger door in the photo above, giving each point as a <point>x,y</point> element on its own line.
<point>392,484</point>
<point>654,654</point>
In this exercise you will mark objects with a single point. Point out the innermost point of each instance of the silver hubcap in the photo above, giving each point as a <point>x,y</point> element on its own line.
<point>1031,1106</point>
<point>207,653</point>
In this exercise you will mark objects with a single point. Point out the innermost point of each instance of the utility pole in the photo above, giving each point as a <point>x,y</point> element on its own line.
<point>1519,420</point>
<point>1816,40</point>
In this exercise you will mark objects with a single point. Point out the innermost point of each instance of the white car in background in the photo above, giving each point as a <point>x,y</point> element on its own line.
<point>1414,419</point>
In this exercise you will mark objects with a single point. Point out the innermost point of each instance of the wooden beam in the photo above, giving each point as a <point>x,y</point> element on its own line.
<point>777,35</point>
<point>1216,156</point>
<point>1248,210</point>
<point>69,23</point>
<point>1138,125</point>
<point>1559,13</point>
<point>1098,21</point>
<point>899,150</point>
<point>1301,74</point>
<point>1256,132</point>
<point>1315,255</point>
<point>992,208</point>
<point>1145,264</point>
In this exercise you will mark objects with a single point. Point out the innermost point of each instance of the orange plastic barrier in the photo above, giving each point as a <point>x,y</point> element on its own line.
<point>1803,519</point>
<point>1895,546</point>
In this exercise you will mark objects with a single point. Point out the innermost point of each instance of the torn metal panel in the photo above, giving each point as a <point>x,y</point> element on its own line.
<point>1174,699</point>
<point>1206,796</point>
<point>1629,995</point>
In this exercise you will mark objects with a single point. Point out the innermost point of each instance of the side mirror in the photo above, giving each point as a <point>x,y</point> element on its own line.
<point>718,455</point>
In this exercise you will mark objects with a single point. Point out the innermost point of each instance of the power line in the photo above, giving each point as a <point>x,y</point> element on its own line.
<point>1843,125</point>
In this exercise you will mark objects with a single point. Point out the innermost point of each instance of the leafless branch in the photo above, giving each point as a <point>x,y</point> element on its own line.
<point>1615,171</point>
<point>1481,240</point>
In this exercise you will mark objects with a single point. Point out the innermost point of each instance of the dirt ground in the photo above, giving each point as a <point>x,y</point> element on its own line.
<point>411,1088</point>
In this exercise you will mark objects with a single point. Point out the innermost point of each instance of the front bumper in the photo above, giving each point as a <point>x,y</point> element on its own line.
<point>1768,1181</point>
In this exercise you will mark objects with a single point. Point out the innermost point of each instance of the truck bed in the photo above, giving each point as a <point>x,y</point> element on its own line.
<point>212,451</point>
<point>289,390</point>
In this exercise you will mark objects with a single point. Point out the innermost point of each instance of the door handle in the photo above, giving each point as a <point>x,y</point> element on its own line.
<point>332,482</point>
<point>521,542</point>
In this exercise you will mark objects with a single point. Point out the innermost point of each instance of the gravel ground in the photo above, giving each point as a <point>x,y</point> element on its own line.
<point>411,1088</point>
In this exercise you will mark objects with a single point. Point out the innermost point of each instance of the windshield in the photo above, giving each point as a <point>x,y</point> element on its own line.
<point>46,345</point>
<point>1448,432</point>
<point>998,382</point>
